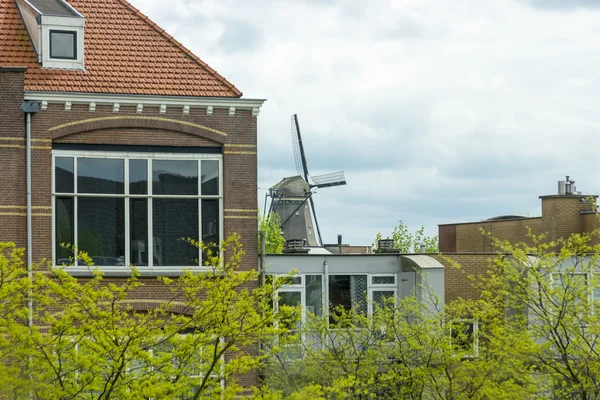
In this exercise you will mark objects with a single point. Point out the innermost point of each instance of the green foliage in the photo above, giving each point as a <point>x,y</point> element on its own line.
<point>405,350</point>
<point>552,289</point>
<point>538,336</point>
<point>408,242</point>
<point>271,224</point>
<point>88,342</point>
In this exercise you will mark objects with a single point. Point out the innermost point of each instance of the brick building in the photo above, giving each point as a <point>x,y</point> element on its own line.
<point>563,214</point>
<point>116,138</point>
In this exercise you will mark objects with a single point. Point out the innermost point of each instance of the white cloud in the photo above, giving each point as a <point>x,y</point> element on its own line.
<point>439,111</point>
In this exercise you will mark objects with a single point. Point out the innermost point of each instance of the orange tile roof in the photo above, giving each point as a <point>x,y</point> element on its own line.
<point>125,53</point>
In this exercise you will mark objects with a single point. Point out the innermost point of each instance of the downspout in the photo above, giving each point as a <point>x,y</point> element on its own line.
<point>29,107</point>
<point>263,250</point>
<point>326,291</point>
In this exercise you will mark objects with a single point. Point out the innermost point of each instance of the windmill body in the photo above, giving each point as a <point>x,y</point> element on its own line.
<point>292,198</point>
<point>294,210</point>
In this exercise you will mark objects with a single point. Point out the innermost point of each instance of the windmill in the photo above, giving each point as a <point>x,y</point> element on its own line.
<point>292,198</point>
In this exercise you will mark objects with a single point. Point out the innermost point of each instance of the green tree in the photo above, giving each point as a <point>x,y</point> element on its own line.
<point>532,333</point>
<point>271,224</point>
<point>404,350</point>
<point>88,342</point>
<point>408,242</point>
<point>551,289</point>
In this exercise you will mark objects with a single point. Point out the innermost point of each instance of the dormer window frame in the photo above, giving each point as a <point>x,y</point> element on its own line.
<point>63,31</point>
<point>74,25</point>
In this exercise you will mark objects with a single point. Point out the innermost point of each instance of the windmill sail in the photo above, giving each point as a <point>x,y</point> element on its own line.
<point>328,180</point>
<point>299,155</point>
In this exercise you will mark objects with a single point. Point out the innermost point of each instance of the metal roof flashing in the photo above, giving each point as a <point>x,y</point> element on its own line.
<point>57,8</point>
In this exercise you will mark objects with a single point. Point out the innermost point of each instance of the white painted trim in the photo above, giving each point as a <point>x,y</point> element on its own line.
<point>136,154</point>
<point>53,201</point>
<point>72,24</point>
<point>125,270</point>
<point>146,100</point>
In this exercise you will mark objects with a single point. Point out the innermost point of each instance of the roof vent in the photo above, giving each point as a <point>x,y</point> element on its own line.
<point>295,246</point>
<point>566,187</point>
<point>386,246</point>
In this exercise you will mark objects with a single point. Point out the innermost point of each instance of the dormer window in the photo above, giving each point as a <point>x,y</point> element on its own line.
<point>56,30</point>
<point>63,45</point>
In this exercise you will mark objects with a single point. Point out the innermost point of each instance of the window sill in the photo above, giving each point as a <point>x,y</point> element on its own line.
<point>125,272</point>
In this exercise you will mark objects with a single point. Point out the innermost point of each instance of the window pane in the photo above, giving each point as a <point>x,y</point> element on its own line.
<point>174,221</point>
<point>348,292</point>
<point>62,45</point>
<point>101,229</point>
<point>138,176</point>
<point>380,298</point>
<point>314,294</point>
<point>100,175</point>
<point>384,280</point>
<point>210,177</point>
<point>138,228</point>
<point>290,299</point>
<point>174,177</point>
<point>210,223</point>
<point>64,229</point>
<point>463,335</point>
<point>63,174</point>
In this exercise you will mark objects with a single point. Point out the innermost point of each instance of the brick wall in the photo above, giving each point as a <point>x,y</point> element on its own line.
<point>101,127</point>
<point>235,134</point>
<point>562,215</point>
<point>469,236</point>
<point>457,281</point>
<point>12,157</point>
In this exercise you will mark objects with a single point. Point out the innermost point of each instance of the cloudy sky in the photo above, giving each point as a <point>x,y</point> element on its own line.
<point>438,111</point>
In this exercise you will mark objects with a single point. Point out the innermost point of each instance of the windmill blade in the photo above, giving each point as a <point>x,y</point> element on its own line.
<point>312,206</point>
<point>299,156</point>
<point>328,180</point>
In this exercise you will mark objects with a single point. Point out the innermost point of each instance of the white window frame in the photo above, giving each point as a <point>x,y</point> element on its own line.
<point>380,287</point>
<point>70,24</point>
<point>301,287</point>
<point>150,269</point>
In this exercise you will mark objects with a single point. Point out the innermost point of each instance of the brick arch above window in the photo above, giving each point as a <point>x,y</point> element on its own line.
<point>137,136</point>
<point>144,122</point>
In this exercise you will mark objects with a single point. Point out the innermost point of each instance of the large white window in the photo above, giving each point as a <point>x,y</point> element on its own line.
<point>136,208</point>
<point>362,293</point>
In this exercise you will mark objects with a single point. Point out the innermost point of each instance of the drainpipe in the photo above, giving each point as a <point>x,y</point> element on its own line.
<point>29,107</point>
<point>263,250</point>
<point>326,291</point>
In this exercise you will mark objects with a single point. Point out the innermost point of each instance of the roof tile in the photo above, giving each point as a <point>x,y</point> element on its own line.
<point>125,53</point>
